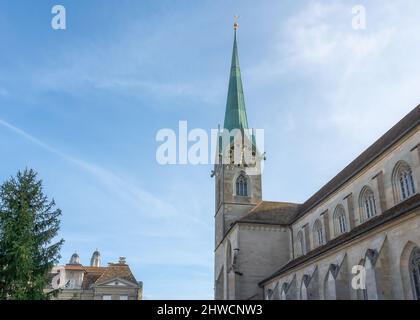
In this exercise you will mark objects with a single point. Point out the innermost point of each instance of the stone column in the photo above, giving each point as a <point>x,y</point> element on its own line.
<point>351,211</point>
<point>415,153</point>
<point>307,238</point>
<point>326,222</point>
<point>380,187</point>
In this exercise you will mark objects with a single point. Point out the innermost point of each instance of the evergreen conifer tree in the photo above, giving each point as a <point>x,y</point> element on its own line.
<point>29,224</point>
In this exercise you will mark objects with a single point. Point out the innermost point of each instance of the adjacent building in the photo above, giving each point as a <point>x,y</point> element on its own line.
<point>364,221</point>
<point>115,281</point>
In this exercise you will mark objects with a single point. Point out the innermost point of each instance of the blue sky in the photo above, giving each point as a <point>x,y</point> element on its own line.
<point>82,106</point>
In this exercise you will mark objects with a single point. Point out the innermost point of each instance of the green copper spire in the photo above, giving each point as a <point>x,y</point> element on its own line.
<point>235,115</point>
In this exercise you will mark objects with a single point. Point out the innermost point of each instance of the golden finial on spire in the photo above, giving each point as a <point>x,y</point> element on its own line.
<point>236,25</point>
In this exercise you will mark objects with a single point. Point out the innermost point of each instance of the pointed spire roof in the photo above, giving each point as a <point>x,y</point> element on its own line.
<point>235,115</point>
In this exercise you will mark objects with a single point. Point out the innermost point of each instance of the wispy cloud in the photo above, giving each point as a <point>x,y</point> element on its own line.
<point>132,194</point>
<point>174,230</point>
<point>135,87</point>
<point>357,72</point>
<point>134,71</point>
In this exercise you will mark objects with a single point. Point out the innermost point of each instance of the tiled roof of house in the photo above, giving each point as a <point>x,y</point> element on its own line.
<point>95,275</point>
<point>117,270</point>
<point>90,274</point>
<point>90,278</point>
<point>95,269</point>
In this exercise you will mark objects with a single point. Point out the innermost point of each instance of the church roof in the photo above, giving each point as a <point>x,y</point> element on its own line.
<point>401,209</point>
<point>235,115</point>
<point>406,124</point>
<point>271,212</point>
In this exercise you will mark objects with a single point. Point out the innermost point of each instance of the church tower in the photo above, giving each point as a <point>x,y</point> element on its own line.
<point>237,180</point>
<point>248,231</point>
<point>95,261</point>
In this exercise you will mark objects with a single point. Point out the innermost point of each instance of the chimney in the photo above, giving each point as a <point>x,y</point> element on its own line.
<point>122,260</point>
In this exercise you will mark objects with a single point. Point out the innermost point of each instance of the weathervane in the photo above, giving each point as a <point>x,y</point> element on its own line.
<point>236,25</point>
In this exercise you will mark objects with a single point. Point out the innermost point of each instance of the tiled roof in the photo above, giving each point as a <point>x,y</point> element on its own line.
<point>84,268</point>
<point>271,212</point>
<point>117,270</point>
<point>95,269</point>
<point>94,275</point>
<point>89,279</point>
<point>286,213</point>
<point>402,208</point>
<point>74,267</point>
<point>90,274</point>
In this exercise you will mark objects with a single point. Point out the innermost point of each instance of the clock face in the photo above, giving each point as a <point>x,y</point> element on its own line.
<point>239,153</point>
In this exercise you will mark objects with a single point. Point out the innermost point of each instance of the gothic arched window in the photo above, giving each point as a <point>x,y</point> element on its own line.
<point>403,181</point>
<point>242,185</point>
<point>300,243</point>
<point>340,220</point>
<point>318,234</point>
<point>367,203</point>
<point>415,272</point>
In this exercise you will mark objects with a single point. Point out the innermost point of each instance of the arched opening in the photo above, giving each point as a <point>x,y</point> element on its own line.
<point>242,185</point>
<point>414,270</point>
<point>367,204</point>
<point>340,220</point>
<point>403,181</point>
<point>409,276</point>
<point>318,234</point>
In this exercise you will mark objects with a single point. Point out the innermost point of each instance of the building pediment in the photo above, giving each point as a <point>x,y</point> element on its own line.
<point>116,282</point>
